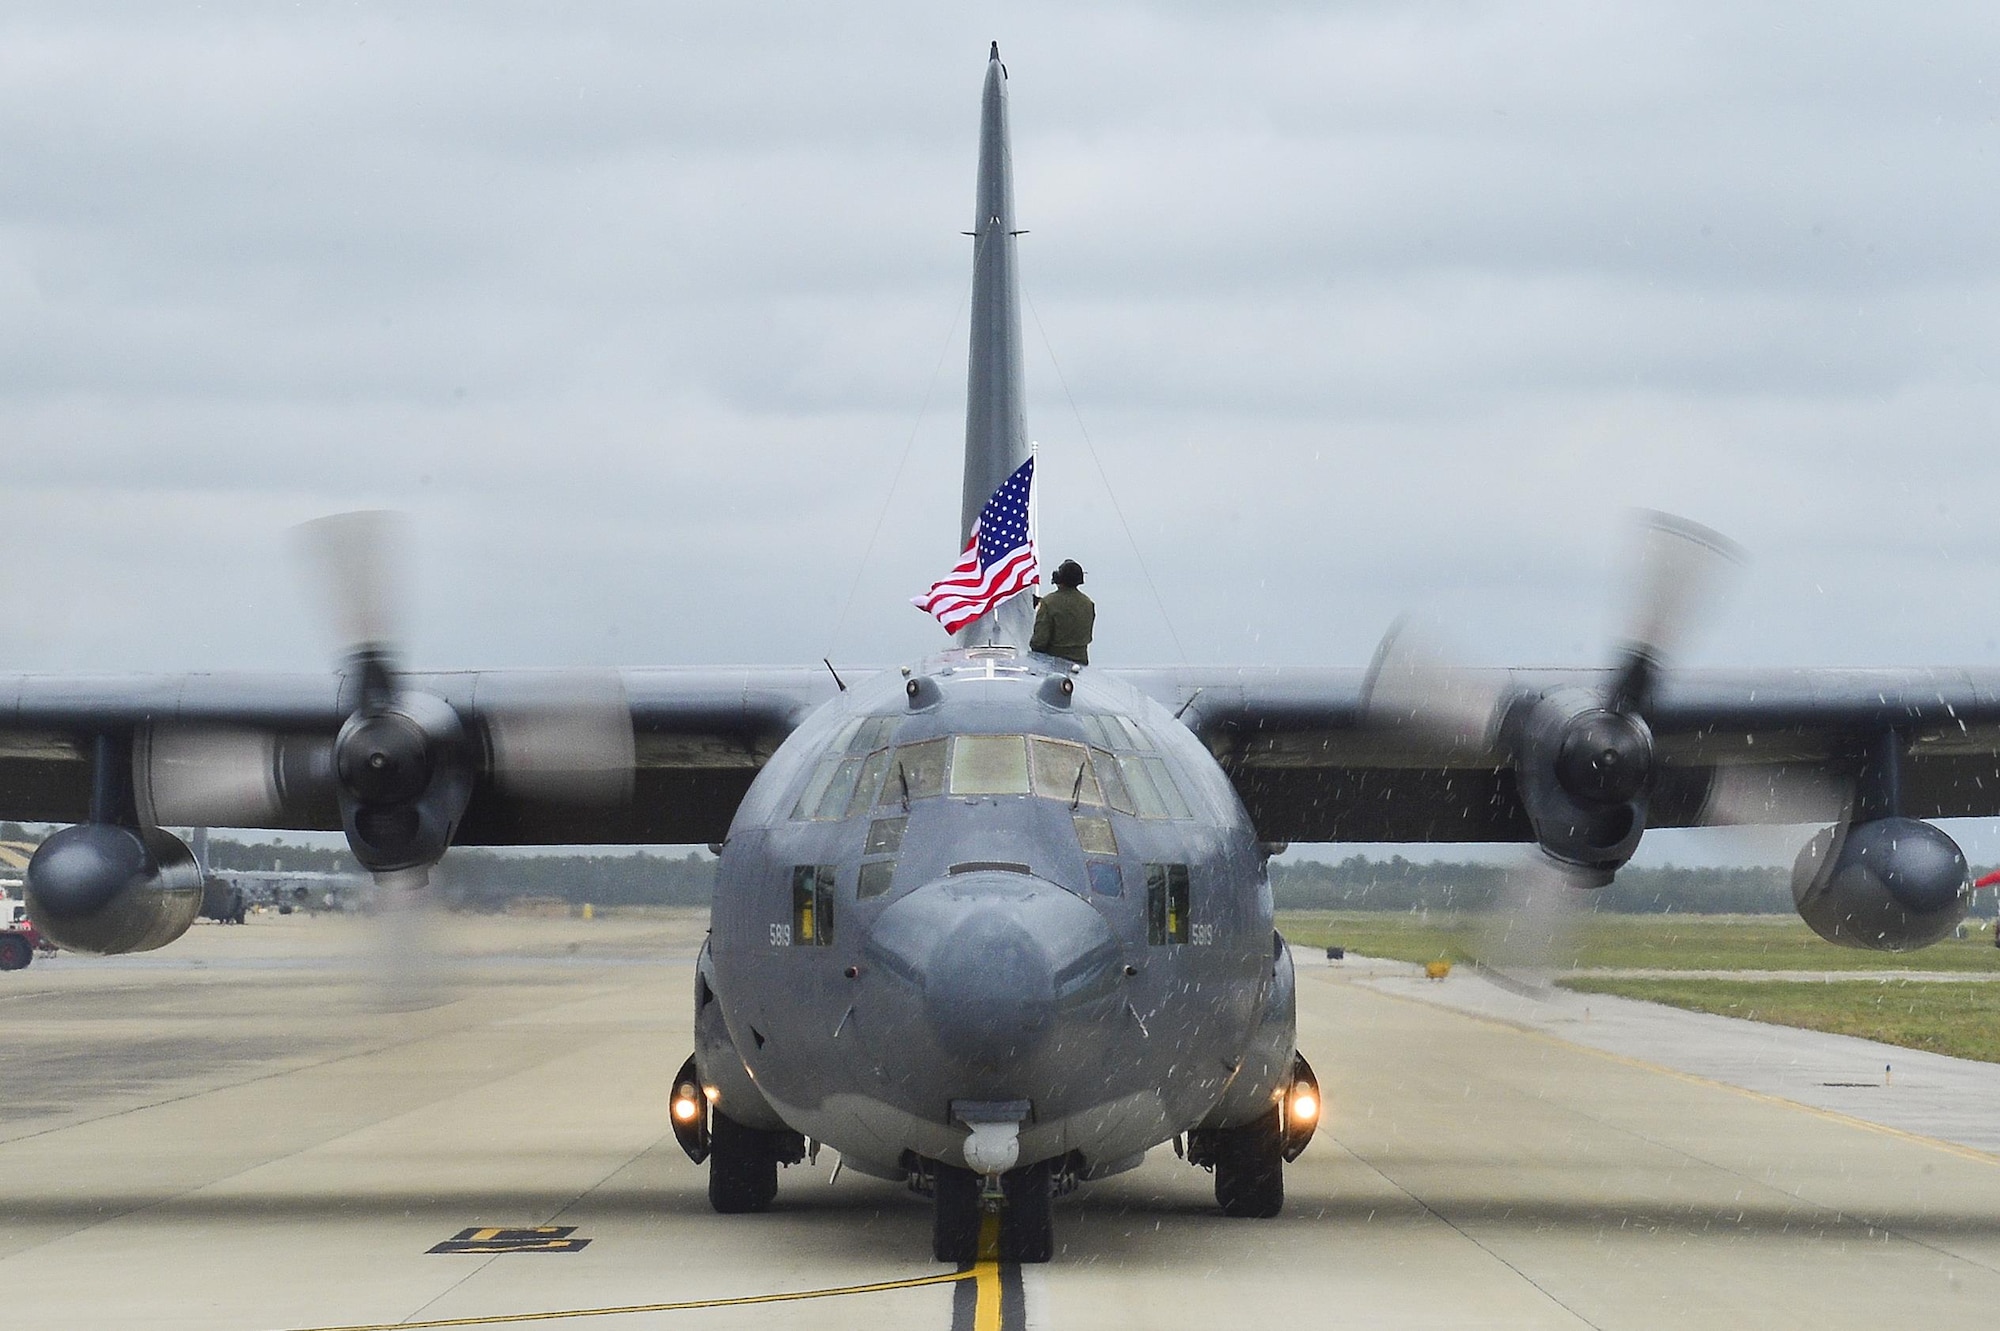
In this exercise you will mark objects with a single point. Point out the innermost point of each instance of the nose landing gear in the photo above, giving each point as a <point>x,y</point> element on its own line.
<point>1024,1211</point>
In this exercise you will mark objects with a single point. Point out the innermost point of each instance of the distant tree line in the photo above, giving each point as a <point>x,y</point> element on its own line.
<point>487,879</point>
<point>270,856</point>
<point>479,879</point>
<point>1359,883</point>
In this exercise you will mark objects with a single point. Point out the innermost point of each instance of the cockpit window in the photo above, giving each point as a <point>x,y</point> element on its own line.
<point>1094,835</point>
<point>873,768</point>
<point>916,771</point>
<point>839,790</point>
<point>1105,768</point>
<point>815,790</point>
<point>885,836</point>
<point>1139,782</point>
<point>1152,787</point>
<point>1111,732</point>
<point>845,735</point>
<point>849,785</point>
<point>1170,790</point>
<point>871,734</point>
<point>989,765</point>
<point>1062,771</point>
<point>847,781</point>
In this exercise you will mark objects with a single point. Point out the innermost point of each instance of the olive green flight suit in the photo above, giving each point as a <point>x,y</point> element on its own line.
<point>1063,624</point>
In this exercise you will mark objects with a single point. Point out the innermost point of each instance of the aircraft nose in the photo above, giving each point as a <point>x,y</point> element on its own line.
<point>1000,962</point>
<point>989,990</point>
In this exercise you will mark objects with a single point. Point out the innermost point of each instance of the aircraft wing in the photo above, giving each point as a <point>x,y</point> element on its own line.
<point>699,736</point>
<point>1310,758</point>
<point>1314,761</point>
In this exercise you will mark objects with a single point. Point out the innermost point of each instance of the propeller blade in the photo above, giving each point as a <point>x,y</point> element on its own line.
<point>402,948</point>
<point>1413,683</point>
<point>1529,935</point>
<point>1580,769</point>
<point>560,736</point>
<point>1753,796</point>
<point>359,561</point>
<point>207,776</point>
<point>1759,808</point>
<point>1682,568</point>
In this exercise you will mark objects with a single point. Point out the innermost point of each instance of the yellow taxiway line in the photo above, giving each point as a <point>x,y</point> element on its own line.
<point>984,1273</point>
<point>987,1273</point>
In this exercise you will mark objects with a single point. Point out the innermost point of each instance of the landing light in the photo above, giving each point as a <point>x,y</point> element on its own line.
<point>687,1108</point>
<point>1305,1106</point>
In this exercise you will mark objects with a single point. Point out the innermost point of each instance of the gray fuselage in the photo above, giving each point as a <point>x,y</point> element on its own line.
<point>993,877</point>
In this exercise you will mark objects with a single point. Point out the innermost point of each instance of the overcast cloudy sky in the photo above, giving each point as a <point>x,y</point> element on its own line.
<point>652,313</point>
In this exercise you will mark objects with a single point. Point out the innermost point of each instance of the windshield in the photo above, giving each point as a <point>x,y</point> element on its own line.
<point>848,784</point>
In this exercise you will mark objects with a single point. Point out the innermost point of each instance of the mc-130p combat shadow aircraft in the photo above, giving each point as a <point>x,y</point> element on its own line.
<point>989,923</point>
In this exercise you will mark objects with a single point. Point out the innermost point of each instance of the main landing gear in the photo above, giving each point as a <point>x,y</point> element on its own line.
<point>743,1163</point>
<point>1249,1160</point>
<point>1023,1214</point>
<point>1250,1167</point>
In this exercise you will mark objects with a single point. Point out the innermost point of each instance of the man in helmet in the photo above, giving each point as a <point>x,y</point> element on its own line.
<point>1065,617</point>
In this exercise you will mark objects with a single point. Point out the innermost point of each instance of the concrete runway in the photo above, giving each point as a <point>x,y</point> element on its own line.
<point>222,1135</point>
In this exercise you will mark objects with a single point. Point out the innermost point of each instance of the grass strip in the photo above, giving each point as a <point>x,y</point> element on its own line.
<point>1666,942</point>
<point>1939,1016</point>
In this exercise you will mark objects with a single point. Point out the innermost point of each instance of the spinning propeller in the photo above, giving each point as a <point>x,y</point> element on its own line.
<point>408,758</point>
<point>1582,754</point>
<point>402,761</point>
<point>412,750</point>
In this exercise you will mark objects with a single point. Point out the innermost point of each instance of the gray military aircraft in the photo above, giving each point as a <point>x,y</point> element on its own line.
<point>989,923</point>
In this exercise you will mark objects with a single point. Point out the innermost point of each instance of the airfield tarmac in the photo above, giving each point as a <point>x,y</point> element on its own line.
<point>226,1135</point>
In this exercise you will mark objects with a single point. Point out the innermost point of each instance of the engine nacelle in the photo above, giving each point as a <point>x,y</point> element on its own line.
<point>98,887</point>
<point>1585,775</point>
<point>1890,885</point>
<point>404,781</point>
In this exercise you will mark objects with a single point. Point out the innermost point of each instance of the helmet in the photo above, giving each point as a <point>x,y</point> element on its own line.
<point>1069,573</point>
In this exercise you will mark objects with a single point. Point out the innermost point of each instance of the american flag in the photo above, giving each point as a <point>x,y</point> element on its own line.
<point>999,558</point>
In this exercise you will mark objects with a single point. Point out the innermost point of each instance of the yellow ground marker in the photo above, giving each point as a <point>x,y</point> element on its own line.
<point>985,1275</point>
<point>986,1272</point>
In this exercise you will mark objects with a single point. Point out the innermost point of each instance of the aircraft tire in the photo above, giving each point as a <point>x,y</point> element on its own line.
<point>742,1167</point>
<point>1250,1168</point>
<point>15,954</point>
<point>955,1215</point>
<point>1028,1223</point>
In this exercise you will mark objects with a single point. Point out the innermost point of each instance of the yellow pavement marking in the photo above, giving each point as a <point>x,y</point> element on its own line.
<point>1694,1078</point>
<point>986,1276</point>
<point>563,1314</point>
<point>495,1241</point>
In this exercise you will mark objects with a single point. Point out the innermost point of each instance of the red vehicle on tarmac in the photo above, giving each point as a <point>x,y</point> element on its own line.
<point>19,939</point>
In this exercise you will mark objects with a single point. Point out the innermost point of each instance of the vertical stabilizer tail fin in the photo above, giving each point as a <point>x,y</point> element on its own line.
<point>996,439</point>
